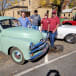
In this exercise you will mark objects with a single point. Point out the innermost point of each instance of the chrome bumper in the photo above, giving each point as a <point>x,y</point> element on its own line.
<point>40,49</point>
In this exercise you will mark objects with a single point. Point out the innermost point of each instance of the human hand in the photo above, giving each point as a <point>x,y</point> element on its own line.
<point>53,31</point>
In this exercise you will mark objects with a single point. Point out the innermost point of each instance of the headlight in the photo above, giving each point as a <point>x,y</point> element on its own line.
<point>43,40</point>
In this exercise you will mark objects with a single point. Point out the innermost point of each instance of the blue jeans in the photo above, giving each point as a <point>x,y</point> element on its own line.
<point>44,31</point>
<point>52,38</point>
<point>35,27</point>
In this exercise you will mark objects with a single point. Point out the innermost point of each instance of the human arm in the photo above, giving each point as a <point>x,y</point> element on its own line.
<point>49,25</point>
<point>39,20</point>
<point>28,22</point>
<point>55,28</point>
<point>41,25</point>
<point>31,18</point>
<point>57,24</point>
<point>19,19</point>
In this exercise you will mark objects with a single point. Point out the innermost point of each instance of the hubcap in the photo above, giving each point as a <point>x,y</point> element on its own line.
<point>69,39</point>
<point>17,56</point>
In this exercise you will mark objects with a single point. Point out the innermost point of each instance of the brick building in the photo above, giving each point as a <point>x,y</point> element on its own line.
<point>69,13</point>
<point>29,5</point>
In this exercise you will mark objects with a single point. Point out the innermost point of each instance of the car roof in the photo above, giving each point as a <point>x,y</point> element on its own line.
<point>6,17</point>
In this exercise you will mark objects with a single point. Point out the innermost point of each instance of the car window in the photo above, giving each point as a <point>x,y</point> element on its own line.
<point>15,23</point>
<point>5,24</point>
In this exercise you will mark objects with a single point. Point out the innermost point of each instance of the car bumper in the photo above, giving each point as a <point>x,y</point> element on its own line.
<point>39,51</point>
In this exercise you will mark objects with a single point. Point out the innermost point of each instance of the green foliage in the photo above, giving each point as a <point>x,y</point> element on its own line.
<point>57,2</point>
<point>43,2</point>
<point>72,4</point>
<point>15,2</point>
<point>2,4</point>
<point>48,2</point>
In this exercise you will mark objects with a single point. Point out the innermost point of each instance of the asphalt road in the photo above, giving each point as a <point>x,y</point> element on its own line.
<point>64,61</point>
<point>66,66</point>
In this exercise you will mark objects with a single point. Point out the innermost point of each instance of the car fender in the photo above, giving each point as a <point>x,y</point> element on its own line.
<point>64,30</point>
<point>22,44</point>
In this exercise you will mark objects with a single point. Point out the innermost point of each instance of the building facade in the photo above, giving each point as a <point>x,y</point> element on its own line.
<point>29,5</point>
<point>69,13</point>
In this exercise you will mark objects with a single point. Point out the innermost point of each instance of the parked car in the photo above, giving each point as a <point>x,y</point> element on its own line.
<point>67,32</point>
<point>21,43</point>
<point>69,23</point>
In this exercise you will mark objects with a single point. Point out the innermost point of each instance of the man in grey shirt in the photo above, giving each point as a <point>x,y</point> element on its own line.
<point>36,20</point>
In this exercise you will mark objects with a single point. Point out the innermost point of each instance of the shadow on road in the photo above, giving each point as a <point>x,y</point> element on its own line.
<point>59,48</point>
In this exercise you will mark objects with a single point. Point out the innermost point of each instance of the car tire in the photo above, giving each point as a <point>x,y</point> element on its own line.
<point>67,24</point>
<point>17,56</point>
<point>71,38</point>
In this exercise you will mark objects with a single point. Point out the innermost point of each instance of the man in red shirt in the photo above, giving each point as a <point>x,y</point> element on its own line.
<point>52,28</point>
<point>44,24</point>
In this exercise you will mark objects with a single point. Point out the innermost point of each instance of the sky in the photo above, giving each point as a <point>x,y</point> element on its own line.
<point>6,5</point>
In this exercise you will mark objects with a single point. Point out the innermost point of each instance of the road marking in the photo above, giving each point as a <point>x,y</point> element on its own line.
<point>46,58</point>
<point>41,65</point>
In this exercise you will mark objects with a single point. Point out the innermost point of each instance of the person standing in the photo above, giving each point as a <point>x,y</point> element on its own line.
<point>36,20</point>
<point>44,23</point>
<point>25,22</point>
<point>52,28</point>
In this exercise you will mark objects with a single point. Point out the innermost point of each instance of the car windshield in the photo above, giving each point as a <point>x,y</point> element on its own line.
<point>15,23</point>
<point>10,23</point>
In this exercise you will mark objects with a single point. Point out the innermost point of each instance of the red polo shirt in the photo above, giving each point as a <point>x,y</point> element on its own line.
<point>53,23</point>
<point>45,23</point>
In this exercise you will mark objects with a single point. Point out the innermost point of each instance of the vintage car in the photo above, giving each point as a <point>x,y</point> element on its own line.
<point>21,43</point>
<point>70,22</point>
<point>67,32</point>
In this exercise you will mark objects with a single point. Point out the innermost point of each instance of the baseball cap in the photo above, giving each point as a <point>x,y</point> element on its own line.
<point>54,12</point>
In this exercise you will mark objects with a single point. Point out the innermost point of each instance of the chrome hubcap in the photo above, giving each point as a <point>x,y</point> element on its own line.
<point>17,55</point>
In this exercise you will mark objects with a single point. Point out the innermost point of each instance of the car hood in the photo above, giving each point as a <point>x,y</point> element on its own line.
<point>67,26</point>
<point>24,33</point>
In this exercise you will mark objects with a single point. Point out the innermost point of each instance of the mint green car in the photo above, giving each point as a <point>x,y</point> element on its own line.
<point>21,43</point>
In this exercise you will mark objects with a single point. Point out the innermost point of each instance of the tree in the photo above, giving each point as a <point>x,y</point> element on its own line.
<point>4,4</point>
<point>14,2</point>
<point>53,3</point>
<point>72,3</point>
<point>59,5</point>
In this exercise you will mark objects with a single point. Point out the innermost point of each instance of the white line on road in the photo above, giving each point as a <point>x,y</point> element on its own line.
<point>41,65</point>
<point>46,58</point>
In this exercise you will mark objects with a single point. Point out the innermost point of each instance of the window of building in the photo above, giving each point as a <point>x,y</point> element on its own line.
<point>64,14</point>
<point>69,14</point>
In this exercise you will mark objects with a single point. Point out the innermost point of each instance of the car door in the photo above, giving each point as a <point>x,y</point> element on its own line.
<point>61,32</point>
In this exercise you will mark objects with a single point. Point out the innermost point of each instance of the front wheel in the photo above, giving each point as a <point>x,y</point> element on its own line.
<point>17,55</point>
<point>70,39</point>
